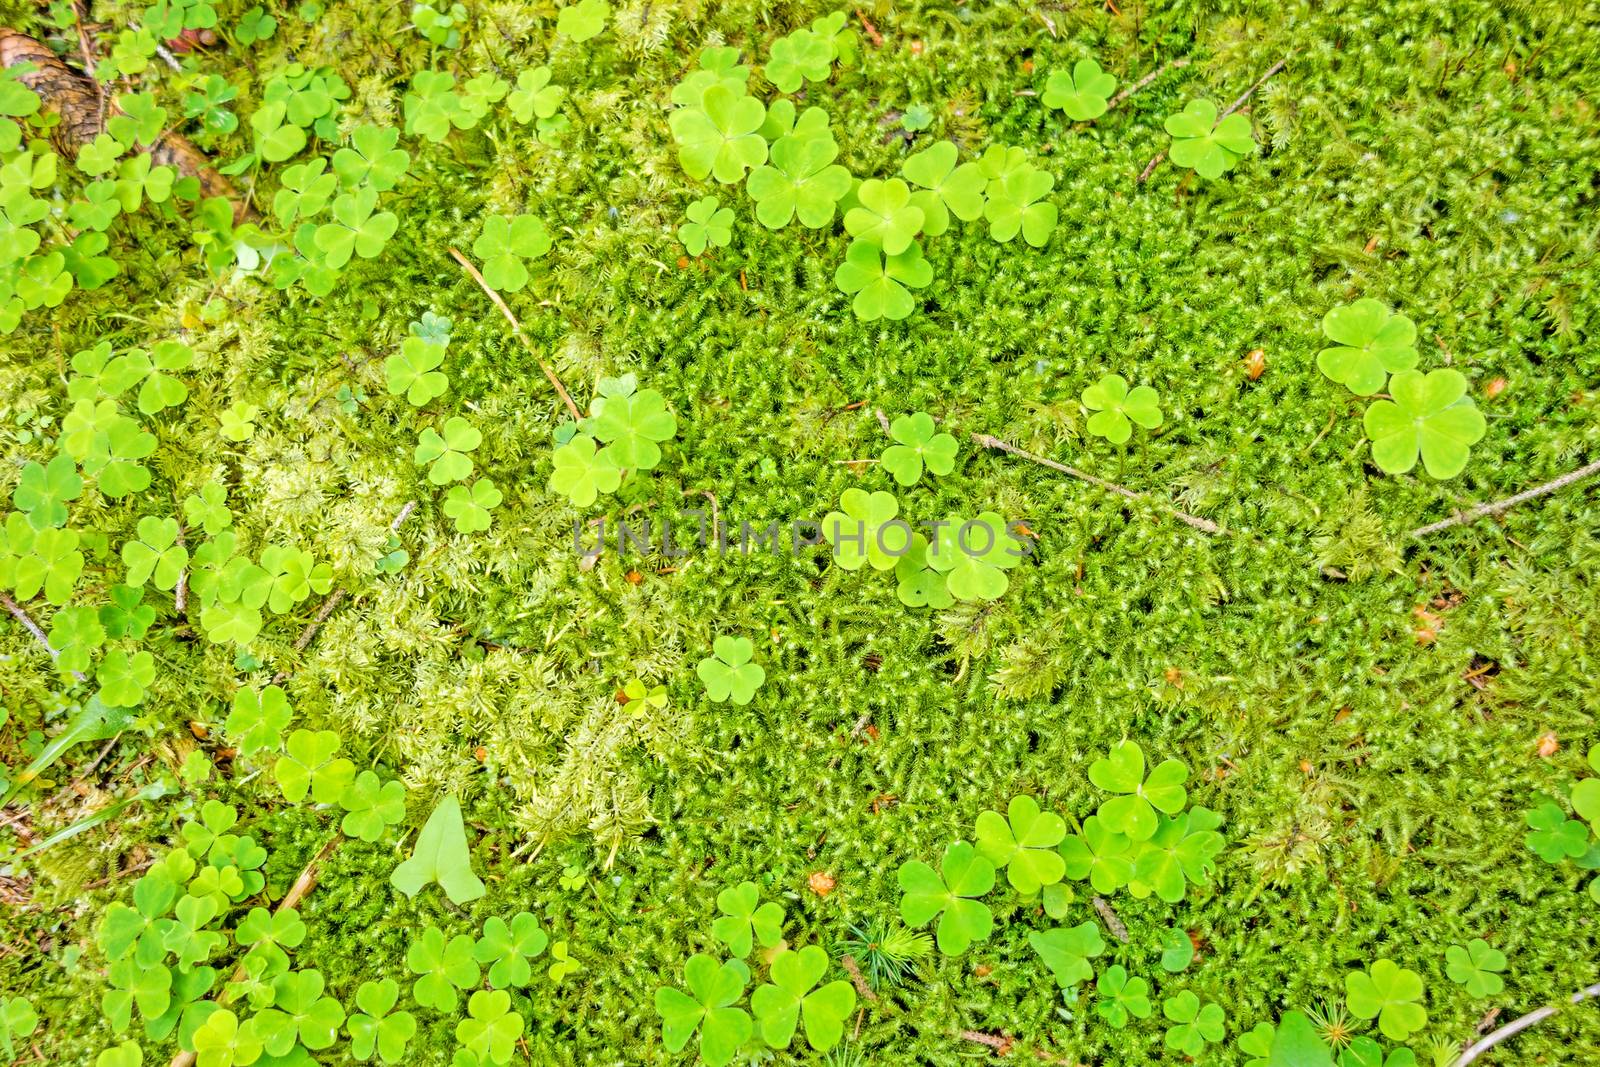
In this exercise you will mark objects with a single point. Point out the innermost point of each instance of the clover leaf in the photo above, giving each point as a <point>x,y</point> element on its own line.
<point>1099,854</point>
<point>1177,950</point>
<point>632,427</point>
<point>18,1020</point>
<point>44,491</point>
<point>470,508</point>
<point>265,930</point>
<point>294,575</point>
<point>441,855</point>
<point>108,445</point>
<point>708,1008</point>
<point>1197,1025</point>
<point>880,282</point>
<point>75,634</point>
<point>1555,837</point>
<point>222,1042</point>
<point>1389,993</point>
<point>1430,415</point>
<point>306,190</point>
<point>866,531</point>
<point>414,371</point>
<point>300,1013</point>
<point>1015,204</point>
<point>491,1028</point>
<point>728,673</point>
<point>257,720</point>
<point>239,421</point>
<point>371,159</point>
<point>948,893</point>
<point>1023,842</point>
<point>719,137</point>
<point>446,456</point>
<point>917,446</point>
<point>1371,342</point>
<point>917,583</point>
<point>719,65</point>
<point>886,217</point>
<point>309,765</point>
<point>124,678</point>
<point>356,230</point>
<point>276,138</point>
<point>1474,966</point>
<point>507,948</point>
<point>974,555</point>
<point>1586,794</point>
<point>1204,143</point>
<point>32,560</point>
<point>444,967</point>
<point>123,1054</point>
<point>503,245</point>
<point>797,58</point>
<point>378,1028</point>
<point>800,180</point>
<point>1121,770</point>
<point>1066,951</point>
<point>1082,94</point>
<point>742,920</point>
<point>534,97</point>
<point>156,554</point>
<point>944,188</point>
<point>793,993</point>
<point>208,509</point>
<point>371,806</point>
<point>140,931</point>
<point>188,937</point>
<point>1121,997</point>
<point>432,108</point>
<point>1116,408</point>
<point>583,20</point>
<point>1363,1051</point>
<point>1183,847</point>
<point>562,962</point>
<point>707,225</point>
<point>581,473</point>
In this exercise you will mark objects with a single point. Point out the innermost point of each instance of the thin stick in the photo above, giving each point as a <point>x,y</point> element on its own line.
<point>1516,1026</point>
<point>1483,510</point>
<point>857,979</point>
<point>21,615</point>
<point>1112,920</point>
<point>516,328</point>
<point>1173,64</point>
<point>1203,525</point>
<point>1150,167</point>
<point>1001,1045</point>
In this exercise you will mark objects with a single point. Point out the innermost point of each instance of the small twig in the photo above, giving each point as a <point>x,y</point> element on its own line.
<point>1461,518</point>
<point>1001,1045</point>
<point>853,969</point>
<point>180,592</point>
<point>869,29</point>
<point>1516,1026</point>
<point>516,328</point>
<point>21,615</point>
<point>143,865</point>
<point>1203,525</point>
<point>405,513</point>
<point>1146,80</point>
<point>883,420</point>
<point>1112,920</point>
<point>1150,167</point>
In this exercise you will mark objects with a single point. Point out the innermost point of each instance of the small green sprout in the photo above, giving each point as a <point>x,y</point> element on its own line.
<point>1389,993</point>
<point>944,187</point>
<point>719,65</point>
<point>469,508</point>
<point>1083,93</point>
<point>1197,1025</point>
<point>1121,771</point>
<point>562,962</point>
<point>1475,967</point>
<point>1066,951</point>
<point>742,922</point>
<point>886,217</point>
<point>707,1008</point>
<point>432,108</point>
<point>581,473</point>
<point>915,118</point>
<point>255,25</point>
<point>918,446</point>
<point>535,99</point>
<point>1116,408</point>
<point>1015,204</point>
<point>728,673</point>
<point>295,574</point>
<point>949,893</point>
<point>446,456</point>
<point>719,138</point>
<point>371,160</point>
<point>1553,837</point>
<point>974,555</point>
<point>503,245</point>
<point>707,225</point>
<point>1177,950</point>
<point>507,947</point>
<point>43,492</point>
<point>866,531</point>
<point>444,967</point>
<point>1023,841</point>
<point>239,421</point>
<point>1182,849</point>
<point>1206,144</point>
<point>801,180</point>
<point>310,765</point>
<point>155,554</point>
<point>886,951</point>
<point>1121,997</point>
<point>378,1028</point>
<point>880,283</point>
<point>75,634</point>
<point>371,806</point>
<point>441,855</point>
<point>414,371</point>
<point>583,20</point>
<point>1431,416</point>
<point>797,58</point>
<point>276,138</point>
<point>305,190</point>
<point>641,696</point>
<point>222,1042</point>
<point>794,992</point>
<point>439,26</point>
<point>491,1028</point>
<point>34,561</point>
<point>123,678</point>
<point>1370,343</point>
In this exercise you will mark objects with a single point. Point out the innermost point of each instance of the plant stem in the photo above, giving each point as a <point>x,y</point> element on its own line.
<point>22,616</point>
<point>1172,64</point>
<point>1516,1026</point>
<point>1461,518</point>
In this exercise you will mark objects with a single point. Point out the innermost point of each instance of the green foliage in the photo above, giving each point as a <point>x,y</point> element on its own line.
<point>728,673</point>
<point>1197,1025</point>
<point>1116,408</point>
<point>950,894</point>
<point>1431,416</point>
<point>503,246</point>
<point>717,137</point>
<point>1121,997</point>
<point>491,1028</point>
<point>1081,93</point>
<point>800,57</point>
<point>800,178</point>
<point>309,766</point>
<point>1122,770</point>
<point>880,283</point>
<point>707,1009</point>
<point>1023,842</point>
<point>1476,967</point>
<point>1370,344</point>
<point>445,455</point>
<point>371,806</point>
<point>1206,144</point>
<point>1066,951</point>
<point>918,447</point>
<point>1388,993</point>
<point>439,25</point>
<point>795,993</point>
<point>943,187</point>
<point>744,921</point>
<point>507,947</point>
<point>469,508</point>
<point>708,225</point>
<point>583,20</point>
<point>414,371</point>
<point>377,1027</point>
<point>444,967</point>
<point>441,855</point>
<point>865,530</point>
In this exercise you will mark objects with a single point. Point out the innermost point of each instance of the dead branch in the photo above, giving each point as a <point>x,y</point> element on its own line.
<point>1516,1026</point>
<point>1172,64</point>
<point>516,328</point>
<point>1461,518</point>
<point>22,616</point>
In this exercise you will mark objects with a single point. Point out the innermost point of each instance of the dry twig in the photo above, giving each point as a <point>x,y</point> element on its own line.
<point>22,616</point>
<point>1516,1026</point>
<point>1482,511</point>
<point>1150,167</point>
<point>1172,64</point>
<point>516,328</point>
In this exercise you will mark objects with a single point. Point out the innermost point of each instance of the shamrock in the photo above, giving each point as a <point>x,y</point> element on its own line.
<point>1586,794</point>
<point>962,876</point>
<point>305,191</point>
<point>139,119</point>
<point>562,963</point>
<point>1197,1025</point>
<point>800,57</point>
<point>356,230</point>
<point>1475,967</point>
<point>432,108</point>
<point>916,117</point>
<point>309,765</point>
<point>917,445</point>
<point>414,371</point>
<point>974,555</point>
<point>1099,854</point>
<point>1182,847</point>
<point>124,678</point>
<point>718,138</point>
<point>504,243</point>
<point>208,509</point>
<point>378,1028</point>
<point>534,97</point>
<point>276,138</point>
<point>216,818</point>
<point>447,455</point>
<point>1114,405</point>
<point>156,553</point>
<point>1121,997</point>
<point>1429,414</point>
<point>784,120</point>
<point>140,931</point>
<point>300,1013</point>
<point>1081,94</point>
<point>208,104</point>
<point>108,445</point>
<point>880,283</point>
<point>1363,1051</point>
<point>239,421</point>
<point>187,937</point>
<point>1023,842</point>
<point>800,180</point>
<point>707,225</point>
<point>943,187</point>
<point>1371,343</point>
<point>507,948</point>
<point>834,28</point>
<point>441,855</point>
<point>917,583</point>
<point>1014,205</point>
<point>793,993</point>
<point>583,20</point>
<point>99,208</point>
<point>741,920</point>
<point>222,1042</point>
<point>886,217</point>
<point>728,673</point>
<point>1389,993</point>
<point>491,1028</point>
<point>707,1007</point>
<point>444,968</point>
<point>866,530</point>
<point>255,25</point>
<point>371,159</point>
<point>371,806</point>
<point>74,634</point>
<point>256,721</point>
<point>159,390</point>
<point>1066,951</point>
<point>43,492</point>
<point>632,425</point>
<point>1177,950</point>
<point>580,473</point>
<point>34,560</point>
<point>470,507</point>
<point>1203,142</point>
<point>719,65</point>
<point>1121,770</point>
<point>295,575</point>
<point>263,930</point>
<point>1555,837</point>
<point>125,1054</point>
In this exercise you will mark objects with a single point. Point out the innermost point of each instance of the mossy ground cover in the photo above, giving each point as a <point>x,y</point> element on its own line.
<point>1370,714</point>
